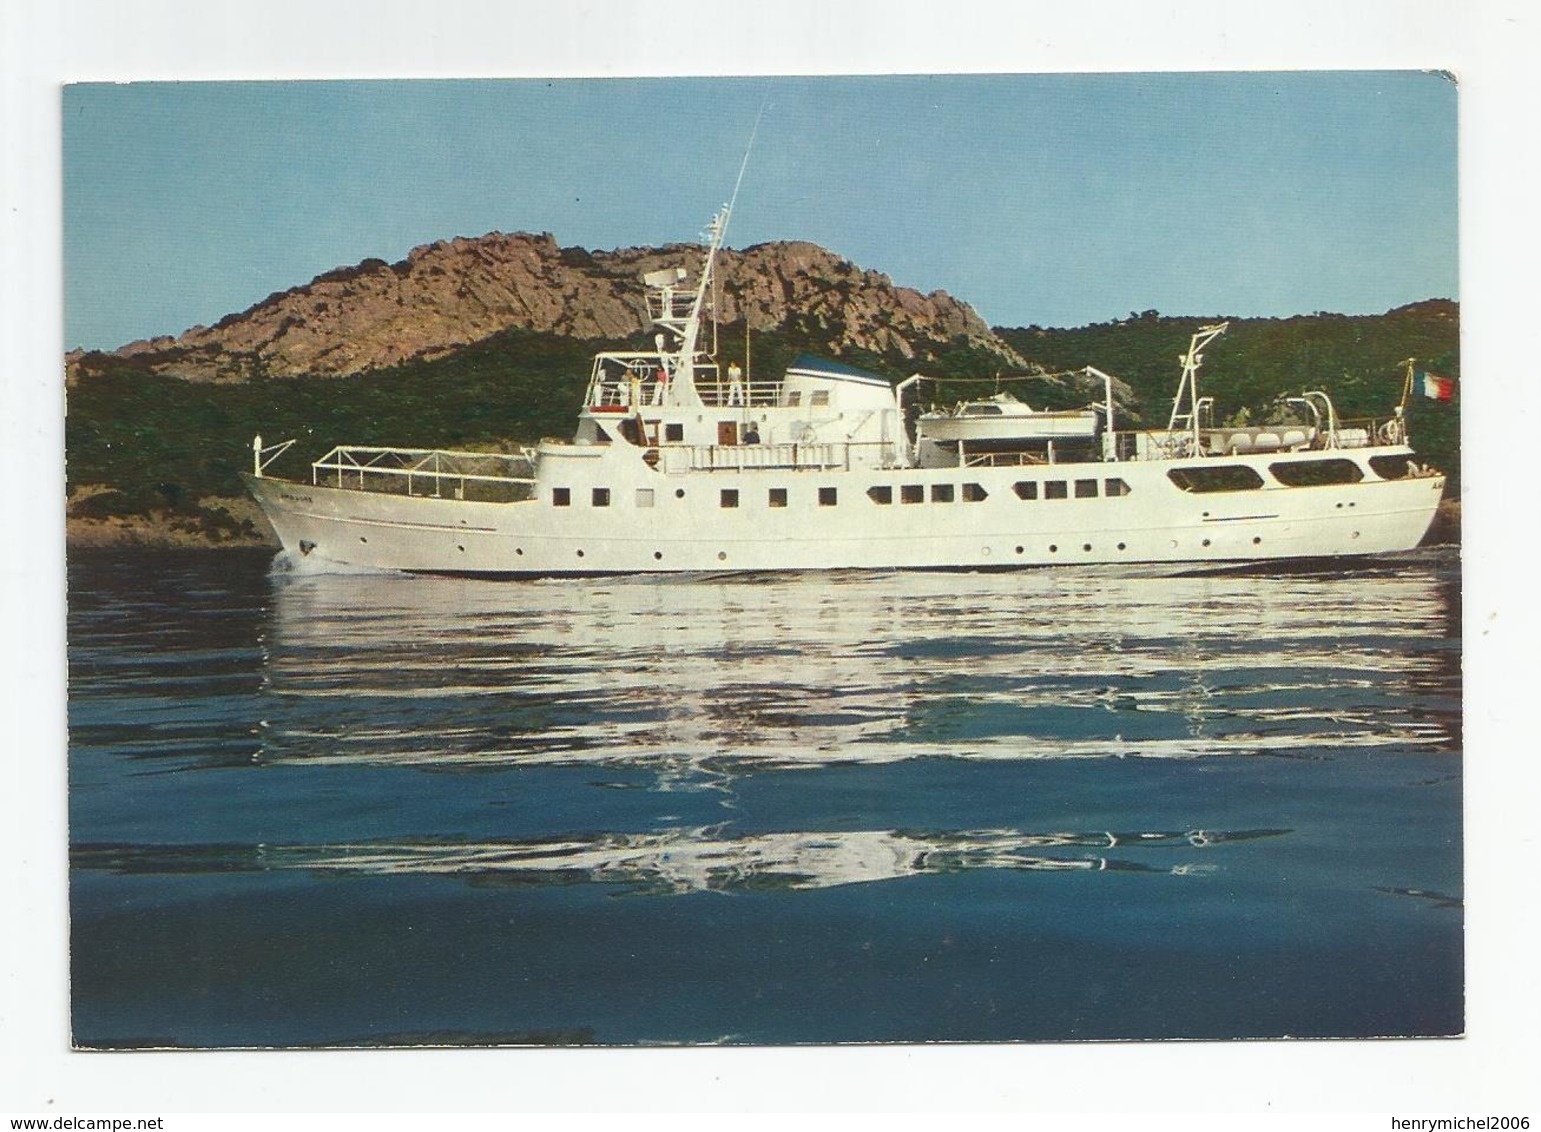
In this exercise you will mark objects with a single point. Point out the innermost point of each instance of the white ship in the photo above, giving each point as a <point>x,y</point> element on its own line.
<point>678,464</point>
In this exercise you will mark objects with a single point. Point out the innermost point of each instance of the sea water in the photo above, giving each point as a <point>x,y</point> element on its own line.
<point>868,807</point>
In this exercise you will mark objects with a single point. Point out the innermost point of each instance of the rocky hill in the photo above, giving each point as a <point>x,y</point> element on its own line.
<point>449,294</point>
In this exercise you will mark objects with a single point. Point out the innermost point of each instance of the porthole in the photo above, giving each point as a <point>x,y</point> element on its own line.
<point>1019,550</point>
<point>658,556</point>
<point>519,550</point>
<point>1256,540</point>
<point>1086,546</point>
<point>460,548</point>
<point>580,554</point>
<point>679,493</point>
<point>1053,549</point>
<point>722,556</point>
<point>361,538</point>
<point>1121,546</point>
<point>1206,542</point>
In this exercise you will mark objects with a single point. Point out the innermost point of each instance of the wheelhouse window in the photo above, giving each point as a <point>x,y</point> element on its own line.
<point>1086,489</point>
<point>673,433</point>
<point>819,398</point>
<point>1114,487</point>
<point>1221,477</point>
<point>561,497</point>
<point>1316,473</point>
<point>912,493</point>
<point>1055,489</point>
<point>601,497</point>
<point>730,497</point>
<point>880,493</point>
<point>828,497</point>
<point>1026,489</point>
<point>941,493</point>
<point>794,399</point>
<point>777,497</point>
<point>974,493</point>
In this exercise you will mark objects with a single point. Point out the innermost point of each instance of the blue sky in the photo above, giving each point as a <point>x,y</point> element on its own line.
<point>1053,200</point>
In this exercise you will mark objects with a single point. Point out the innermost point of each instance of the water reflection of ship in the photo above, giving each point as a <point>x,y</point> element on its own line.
<point>694,679</point>
<point>697,860</point>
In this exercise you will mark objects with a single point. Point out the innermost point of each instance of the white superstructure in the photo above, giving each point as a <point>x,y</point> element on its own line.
<point>682,464</point>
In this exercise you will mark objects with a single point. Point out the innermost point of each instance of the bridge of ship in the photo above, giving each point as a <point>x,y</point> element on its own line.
<point>625,380</point>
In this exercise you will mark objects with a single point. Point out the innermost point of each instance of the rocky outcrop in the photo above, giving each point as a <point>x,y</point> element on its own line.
<point>454,292</point>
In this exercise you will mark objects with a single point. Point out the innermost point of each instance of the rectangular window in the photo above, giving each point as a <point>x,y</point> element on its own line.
<point>827,497</point>
<point>794,399</point>
<point>1221,477</point>
<point>601,497</point>
<point>1026,489</point>
<point>1114,487</point>
<point>881,494</point>
<point>561,497</point>
<point>1054,489</point>
<point>819,398</point>
<point>730,497</point>
<point>644,497</point>
<point>1086,489</point>
<point>941,493</point>
<point>912,493</point>
<point>974,493</point>
<point>778,497</point>
<point>673,433</point>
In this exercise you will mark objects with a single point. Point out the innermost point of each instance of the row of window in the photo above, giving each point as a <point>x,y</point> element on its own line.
<point>1061,489</point>
<point>728,497</point>
<point>818,399</point>
<point>1291,473</point>
<point>883,493</point>
<point>916,493</point>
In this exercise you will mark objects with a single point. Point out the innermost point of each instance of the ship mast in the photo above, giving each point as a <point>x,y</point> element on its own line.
<point>678,315</point>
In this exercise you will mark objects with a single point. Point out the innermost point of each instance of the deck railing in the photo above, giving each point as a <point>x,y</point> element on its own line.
<point>1164,444</point>
<point>715,390</point>
<point>725,392</point>
<point>433,472</point>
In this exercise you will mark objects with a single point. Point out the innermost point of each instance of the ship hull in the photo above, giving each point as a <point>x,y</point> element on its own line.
<point>972,518</point>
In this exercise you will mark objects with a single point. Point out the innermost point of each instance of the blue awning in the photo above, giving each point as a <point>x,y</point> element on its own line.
<point>808,365</point>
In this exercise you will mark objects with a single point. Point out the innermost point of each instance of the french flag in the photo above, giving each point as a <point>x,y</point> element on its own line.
<point>1439,388</point>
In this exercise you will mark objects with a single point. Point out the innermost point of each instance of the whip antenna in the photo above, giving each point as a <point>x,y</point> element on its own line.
<point>748,149</point>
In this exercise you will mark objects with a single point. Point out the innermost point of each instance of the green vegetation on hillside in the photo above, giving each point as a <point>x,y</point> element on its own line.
<point>161,444</point>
